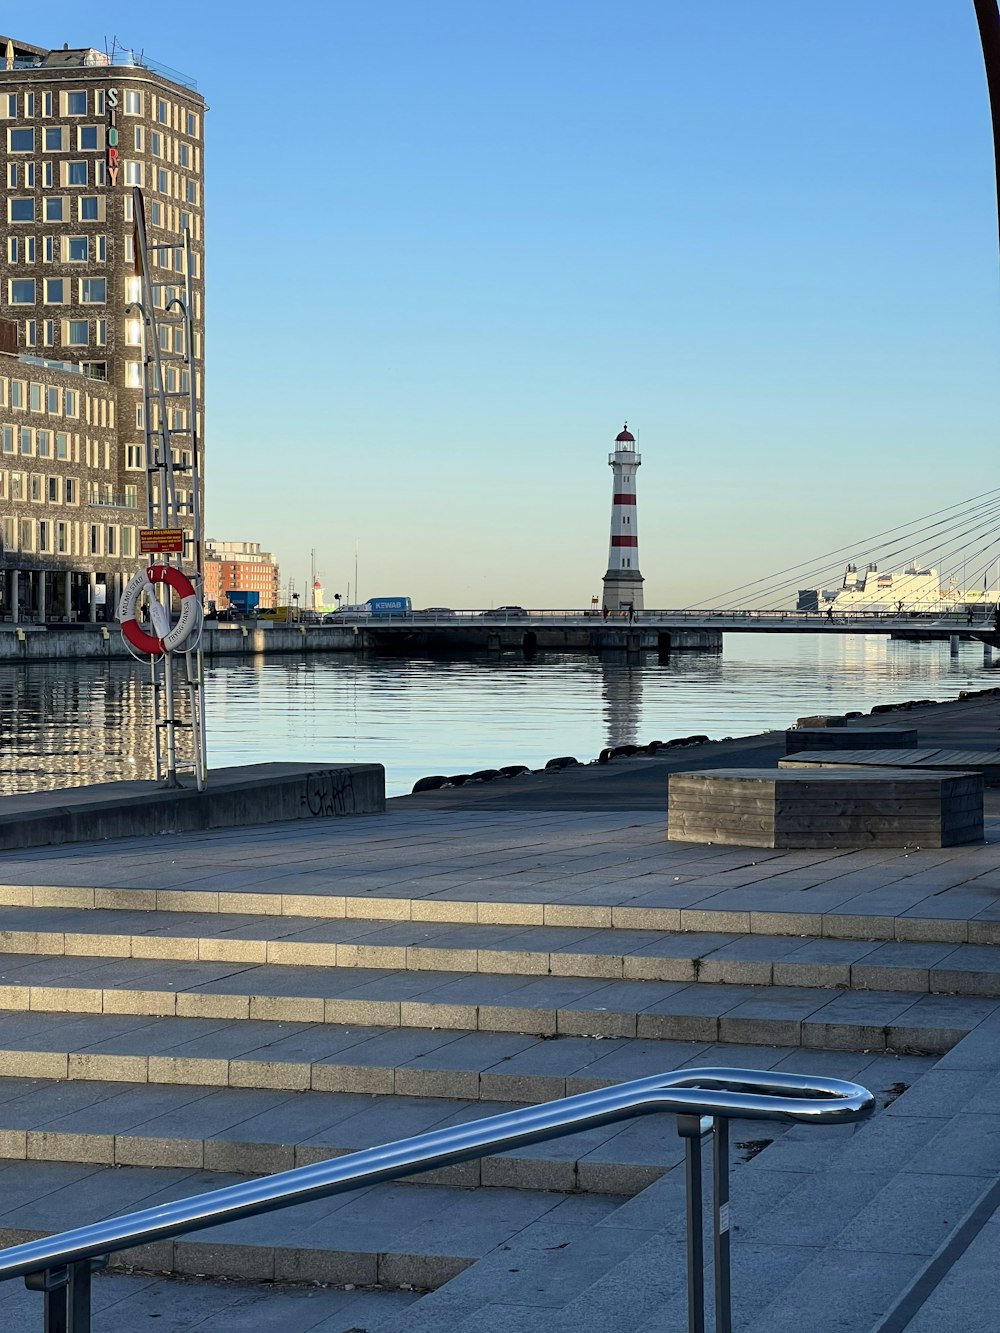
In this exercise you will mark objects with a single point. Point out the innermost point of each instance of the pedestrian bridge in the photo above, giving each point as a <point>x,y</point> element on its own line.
<point>665,630</point>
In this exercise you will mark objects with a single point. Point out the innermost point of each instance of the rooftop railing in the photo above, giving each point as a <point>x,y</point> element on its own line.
<point>703,1100</point>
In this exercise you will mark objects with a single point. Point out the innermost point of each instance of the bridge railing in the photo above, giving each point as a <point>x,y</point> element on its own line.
<point>708,618</point>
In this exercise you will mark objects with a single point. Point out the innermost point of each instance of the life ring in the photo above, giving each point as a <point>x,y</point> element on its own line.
<point>165,639</point>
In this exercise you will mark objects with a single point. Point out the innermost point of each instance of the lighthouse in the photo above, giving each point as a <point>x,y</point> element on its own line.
<point>623,582</point>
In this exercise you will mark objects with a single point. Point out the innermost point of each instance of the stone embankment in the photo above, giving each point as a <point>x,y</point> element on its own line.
<point>229,1003</point>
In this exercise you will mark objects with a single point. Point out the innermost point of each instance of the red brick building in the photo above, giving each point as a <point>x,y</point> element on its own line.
<point>239,567</point>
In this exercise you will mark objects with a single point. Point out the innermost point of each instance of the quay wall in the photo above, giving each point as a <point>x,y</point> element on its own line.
<point>103,643</point>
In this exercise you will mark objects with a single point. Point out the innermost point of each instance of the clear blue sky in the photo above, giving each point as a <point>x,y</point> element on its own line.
<point>452,245</point>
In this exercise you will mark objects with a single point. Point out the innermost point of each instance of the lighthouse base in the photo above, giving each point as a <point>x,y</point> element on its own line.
<point>623,589</point>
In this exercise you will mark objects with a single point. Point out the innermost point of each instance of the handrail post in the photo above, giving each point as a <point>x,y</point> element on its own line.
<point>692,1128</point>
<point>67,1295</point>
<point>720,1215</point>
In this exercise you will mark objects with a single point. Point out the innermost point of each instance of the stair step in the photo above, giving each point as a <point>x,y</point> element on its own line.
<point>127,1302</point>
<point>912,914</point>
<point>543,1005</point>
<point>613,954</point>
<point>254,1131</point>
<point>409,1062</point>
<point>392,1235</point>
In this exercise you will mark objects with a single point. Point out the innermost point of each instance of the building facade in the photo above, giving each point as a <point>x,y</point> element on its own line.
<point>78,130</point>
<point>239,567</point>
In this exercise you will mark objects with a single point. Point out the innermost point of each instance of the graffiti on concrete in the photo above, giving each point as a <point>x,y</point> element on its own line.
<point>330,793</point>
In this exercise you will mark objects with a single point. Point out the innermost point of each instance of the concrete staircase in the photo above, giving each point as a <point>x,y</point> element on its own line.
<point>151,1053</point>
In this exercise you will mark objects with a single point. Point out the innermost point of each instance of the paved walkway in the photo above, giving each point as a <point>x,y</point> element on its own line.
<point>241,1001</point>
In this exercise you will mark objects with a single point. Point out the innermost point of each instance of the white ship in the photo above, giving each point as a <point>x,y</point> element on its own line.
<point>915,588</point>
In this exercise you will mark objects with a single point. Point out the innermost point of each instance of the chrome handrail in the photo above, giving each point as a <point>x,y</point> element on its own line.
<point>58,1264</point>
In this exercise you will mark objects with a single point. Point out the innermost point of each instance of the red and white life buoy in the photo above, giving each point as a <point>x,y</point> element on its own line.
<point>165,639</point>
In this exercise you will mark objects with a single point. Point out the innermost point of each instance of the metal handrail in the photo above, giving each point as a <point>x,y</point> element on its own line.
<point>61,1265</point>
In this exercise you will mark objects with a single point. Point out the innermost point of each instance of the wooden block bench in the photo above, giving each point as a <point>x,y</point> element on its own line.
<point>849,738</point>
<point>985,762</point>
<point>809,807</point>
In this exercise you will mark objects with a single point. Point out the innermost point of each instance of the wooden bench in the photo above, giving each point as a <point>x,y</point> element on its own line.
<point>809,807</point>
<point>849,738</point>
<point>985,762</point>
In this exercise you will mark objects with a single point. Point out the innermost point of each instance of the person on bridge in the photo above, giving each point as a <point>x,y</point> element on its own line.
<point>829,613</point>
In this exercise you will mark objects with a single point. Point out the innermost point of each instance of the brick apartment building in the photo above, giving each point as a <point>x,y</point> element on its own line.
<point>78,130</point>
<point>239,567</point>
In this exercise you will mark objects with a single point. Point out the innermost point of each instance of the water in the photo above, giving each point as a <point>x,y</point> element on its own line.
<point>72,723</point>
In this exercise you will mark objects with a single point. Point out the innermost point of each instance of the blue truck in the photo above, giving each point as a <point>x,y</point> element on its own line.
<point>389,606</point>
<point>243,601</point>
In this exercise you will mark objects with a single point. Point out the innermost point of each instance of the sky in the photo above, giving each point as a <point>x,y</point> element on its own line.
<point>452,247</point>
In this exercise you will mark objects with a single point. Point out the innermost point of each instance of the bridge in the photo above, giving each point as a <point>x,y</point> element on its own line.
<point>661,631</point>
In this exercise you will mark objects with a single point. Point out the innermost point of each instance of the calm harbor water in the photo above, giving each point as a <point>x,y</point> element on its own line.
<point>72,723</point>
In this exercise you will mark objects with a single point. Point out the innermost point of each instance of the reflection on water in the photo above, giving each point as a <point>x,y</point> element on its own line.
<point>65,724</point>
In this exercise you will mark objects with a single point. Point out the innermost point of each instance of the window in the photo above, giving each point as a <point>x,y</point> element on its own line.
<point>161,112</point>
<point>21,210</point>
<point>163,181</point>
<point>69,485</point>
<point>133,375</point>
<point>102,248</point>
<point>155,142</point>
<point>43,444</point>
<point>27,443</point>
<point>76,173</point>
<point>95,532</point>
<point>44,535</point>
<point>30,333</point>
<point>71,403</point>
<point>102,333</point>
<point>192,192</point>
<point>46,104</point>
<point>53,490</point>
<point>35,397</point>
<point>12,170</point>
<point>133,173</point>
<point>86,137</point>
<point>17,393</point>
<point>138,138</point>
<point>48,175</point>
<point>49,333</point>
<point>133,333</point>
<point>49,249</point>
<point>55,209</point>
<point>89,208</point>
<point>55,291</point>
<point>21,141</point>
<point>133,456</point>
<point>133,103</point>
<point>77,333</point>
<point>54,138</point>
<point>8,440</point>
<point>76,104</point>
<point>110,543</point>
<point>29,105</point>
<point>9,103</point>
<point>29,175</point>
<point>184,155</point>
<point>22,291</point>
<point>93,291</point>
<point>52,400</point>
<point>62,451</point>
<point>191,124</point>
<point>156,213</point>
<point>29,249</point>
<point>129,250</point>
<point>94,370</point>
<point>27,535</point>
<point>77,249</point>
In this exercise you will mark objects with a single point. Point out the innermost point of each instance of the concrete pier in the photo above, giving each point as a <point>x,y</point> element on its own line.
<point>244,797</point>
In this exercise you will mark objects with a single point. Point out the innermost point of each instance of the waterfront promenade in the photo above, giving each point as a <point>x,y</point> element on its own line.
<point>184,1011</point>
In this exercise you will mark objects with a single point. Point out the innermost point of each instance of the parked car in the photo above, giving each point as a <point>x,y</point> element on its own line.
<point>510,611</point>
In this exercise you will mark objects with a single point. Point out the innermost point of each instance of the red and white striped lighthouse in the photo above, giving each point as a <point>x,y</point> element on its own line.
<point>623,582</point>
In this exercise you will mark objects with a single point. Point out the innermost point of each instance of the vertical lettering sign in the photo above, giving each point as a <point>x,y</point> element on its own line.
<point>111,98</point>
